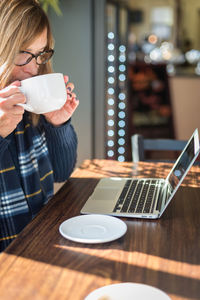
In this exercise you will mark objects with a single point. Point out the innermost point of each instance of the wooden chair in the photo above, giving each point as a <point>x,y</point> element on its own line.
<point>141,145</point>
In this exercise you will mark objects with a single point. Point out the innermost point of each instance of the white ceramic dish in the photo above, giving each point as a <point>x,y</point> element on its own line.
<point>127,291</point>
<point>93,229</point>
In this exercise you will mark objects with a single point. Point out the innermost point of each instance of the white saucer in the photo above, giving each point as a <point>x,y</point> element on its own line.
<point>128,291</point>
<point>93,229</point>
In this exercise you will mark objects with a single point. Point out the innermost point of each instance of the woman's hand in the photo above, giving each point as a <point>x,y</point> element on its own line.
<point>58,117</point>
<point>10,113</point>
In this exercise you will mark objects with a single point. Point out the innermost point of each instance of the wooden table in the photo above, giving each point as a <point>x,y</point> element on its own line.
<point>165,253</point>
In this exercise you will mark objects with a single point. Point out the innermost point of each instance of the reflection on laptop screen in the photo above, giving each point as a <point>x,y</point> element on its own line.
<point>182,165</point>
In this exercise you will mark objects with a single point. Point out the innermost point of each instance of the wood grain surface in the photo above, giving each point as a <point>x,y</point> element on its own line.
<point>164,253</point>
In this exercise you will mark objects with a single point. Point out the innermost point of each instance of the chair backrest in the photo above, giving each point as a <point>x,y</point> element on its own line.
<point>140,144</point>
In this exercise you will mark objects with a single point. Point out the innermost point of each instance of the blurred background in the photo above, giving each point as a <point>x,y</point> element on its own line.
<point>136,68</point>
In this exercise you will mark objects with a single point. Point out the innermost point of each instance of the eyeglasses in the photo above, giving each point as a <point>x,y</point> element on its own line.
<point>24,57</point>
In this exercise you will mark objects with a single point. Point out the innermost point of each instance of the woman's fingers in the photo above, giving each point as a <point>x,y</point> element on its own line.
<point>70,86</point>
<point>66,79</point>
<point>71,96</point>
<point>9,91</point>
<point>10,101</point>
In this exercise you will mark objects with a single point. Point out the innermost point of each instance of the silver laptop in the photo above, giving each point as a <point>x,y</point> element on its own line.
<point>145,197</point>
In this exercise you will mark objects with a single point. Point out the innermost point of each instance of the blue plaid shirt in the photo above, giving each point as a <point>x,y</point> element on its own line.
<point>31,160</point>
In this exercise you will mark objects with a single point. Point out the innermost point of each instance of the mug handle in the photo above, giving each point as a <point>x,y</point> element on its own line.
<point>25,105</point>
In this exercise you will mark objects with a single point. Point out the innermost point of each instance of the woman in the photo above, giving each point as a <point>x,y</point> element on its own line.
<point>35,150</point>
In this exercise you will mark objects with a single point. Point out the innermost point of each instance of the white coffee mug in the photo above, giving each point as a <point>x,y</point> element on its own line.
<point>44,93</point>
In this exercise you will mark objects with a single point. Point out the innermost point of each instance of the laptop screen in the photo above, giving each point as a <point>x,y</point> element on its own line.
<point>182,164</point>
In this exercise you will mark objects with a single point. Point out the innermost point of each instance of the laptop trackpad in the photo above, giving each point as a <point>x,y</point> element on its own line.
<point>105,194</point>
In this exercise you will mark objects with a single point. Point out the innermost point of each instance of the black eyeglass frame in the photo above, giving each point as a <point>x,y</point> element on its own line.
<point>36,56</point>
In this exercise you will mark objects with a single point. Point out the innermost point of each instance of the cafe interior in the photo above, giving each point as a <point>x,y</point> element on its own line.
<point>137,71</point>
<point>135,65</point>
<point>157,75</point>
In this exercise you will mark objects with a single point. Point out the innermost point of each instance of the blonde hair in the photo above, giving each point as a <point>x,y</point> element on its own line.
<point>21,21</point>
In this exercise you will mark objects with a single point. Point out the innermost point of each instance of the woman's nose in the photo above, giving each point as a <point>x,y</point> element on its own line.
<point>31,67</point>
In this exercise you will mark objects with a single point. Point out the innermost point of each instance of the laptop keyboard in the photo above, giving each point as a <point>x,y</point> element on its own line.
<point>138,196</point>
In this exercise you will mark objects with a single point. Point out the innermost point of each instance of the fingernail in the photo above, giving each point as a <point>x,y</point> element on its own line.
<point>69,95</point>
